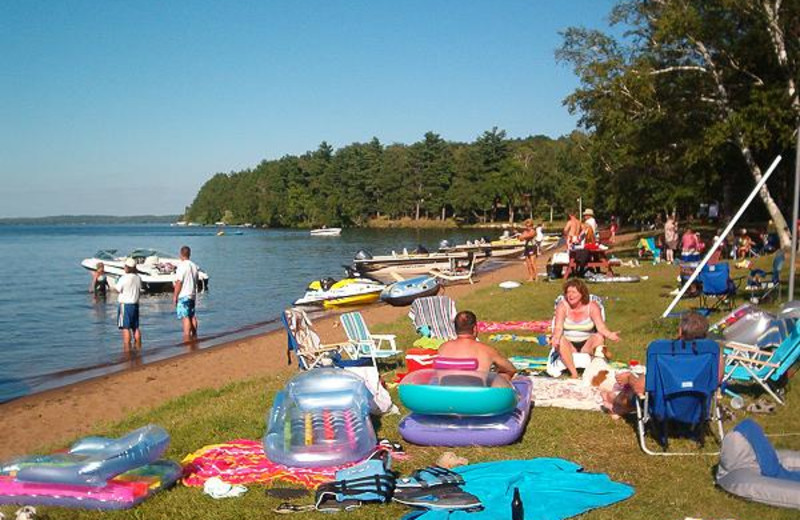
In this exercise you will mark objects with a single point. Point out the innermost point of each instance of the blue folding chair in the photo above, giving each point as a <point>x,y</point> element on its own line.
<point>717,284</point>
<point>681,392</point>
<point>766,368</point>
<point>759,287</point>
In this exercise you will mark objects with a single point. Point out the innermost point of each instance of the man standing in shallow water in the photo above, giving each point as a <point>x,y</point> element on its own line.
<point>185,293</point>
<point>129,286</point>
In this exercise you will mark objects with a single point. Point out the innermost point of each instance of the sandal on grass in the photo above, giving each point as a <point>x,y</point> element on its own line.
<point>286,508</point>
<point>762,407</point>
<point>430,476</point>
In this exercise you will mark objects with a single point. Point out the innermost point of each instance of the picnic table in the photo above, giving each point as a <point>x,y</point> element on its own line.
<point>597,259</point>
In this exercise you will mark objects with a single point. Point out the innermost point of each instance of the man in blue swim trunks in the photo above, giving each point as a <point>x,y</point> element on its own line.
<point>185,293</point>
<point>129,286</point>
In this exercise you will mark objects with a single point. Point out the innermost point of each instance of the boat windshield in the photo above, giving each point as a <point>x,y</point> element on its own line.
<point>144,253</point>
<point>106,254</point>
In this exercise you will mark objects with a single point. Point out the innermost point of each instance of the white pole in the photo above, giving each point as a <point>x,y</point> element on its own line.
<point>722,236</point>
<point>794,216</point>
<point>580,207</point>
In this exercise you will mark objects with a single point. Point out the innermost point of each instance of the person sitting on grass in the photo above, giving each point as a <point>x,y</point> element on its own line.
<point>578,325</point>
<point>467,346</point>
<point>631,383</point>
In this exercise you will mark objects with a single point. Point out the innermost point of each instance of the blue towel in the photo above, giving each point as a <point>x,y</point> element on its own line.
<point>550,488</point>
<point>765,454</point>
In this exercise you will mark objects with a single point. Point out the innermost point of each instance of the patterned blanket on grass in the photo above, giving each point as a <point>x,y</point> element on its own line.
<point>539,340</point>
<point>501,326</point>
<point>565,393</point>
<point>243,461</point>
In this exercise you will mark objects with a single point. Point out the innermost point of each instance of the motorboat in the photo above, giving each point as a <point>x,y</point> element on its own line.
<point>326,232</point>
<point>505,246</point>
<point>404,292</point>
<point>155,268</point>
<point>332,293</point>
<point>405,264</point>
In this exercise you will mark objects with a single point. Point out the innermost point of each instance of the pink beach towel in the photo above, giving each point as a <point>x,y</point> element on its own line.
<point>500,326</point>
<point>243,461</point>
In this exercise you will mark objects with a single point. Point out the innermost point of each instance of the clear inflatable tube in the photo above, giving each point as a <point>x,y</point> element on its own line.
<point>320,419</point>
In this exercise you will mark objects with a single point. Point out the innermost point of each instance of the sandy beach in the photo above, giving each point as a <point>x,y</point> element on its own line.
<point>60,415</point>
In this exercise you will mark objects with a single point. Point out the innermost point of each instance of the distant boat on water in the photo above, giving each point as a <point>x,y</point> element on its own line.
<point>326,232</point>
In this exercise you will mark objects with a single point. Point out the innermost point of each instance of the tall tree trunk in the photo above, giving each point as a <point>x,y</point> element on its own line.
<point>772,208</point>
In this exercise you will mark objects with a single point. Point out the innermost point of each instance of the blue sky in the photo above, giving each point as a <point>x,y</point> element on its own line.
<point>127,107</point>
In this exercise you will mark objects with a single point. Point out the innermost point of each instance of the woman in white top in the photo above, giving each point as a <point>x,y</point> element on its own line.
<point>578,325</point>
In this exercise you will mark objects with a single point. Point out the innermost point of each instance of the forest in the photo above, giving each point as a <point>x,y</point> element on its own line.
<point>685,102</point>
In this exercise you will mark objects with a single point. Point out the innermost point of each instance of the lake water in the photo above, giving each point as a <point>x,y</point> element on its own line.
<point>53,332</point>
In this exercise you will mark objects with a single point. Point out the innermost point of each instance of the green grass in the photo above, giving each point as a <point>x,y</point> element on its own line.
<point>666,487</point>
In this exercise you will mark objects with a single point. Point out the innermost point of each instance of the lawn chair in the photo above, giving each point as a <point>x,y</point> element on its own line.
<point>751,364</point>
<point>647,247</point>
<point>305,343</point>
<point>717,285</point>
<point>460,269</point>
<point>758,287</point>
<point>681,389</point>
<point>436,314</point>
<point>363,344</point>
<point>555,367</point>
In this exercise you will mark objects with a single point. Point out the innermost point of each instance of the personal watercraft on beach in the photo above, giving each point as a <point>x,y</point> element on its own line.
<point>156,269</point>
<point>332,293</point>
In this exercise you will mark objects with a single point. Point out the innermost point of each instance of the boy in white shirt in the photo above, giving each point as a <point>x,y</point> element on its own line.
<point>129,286</point>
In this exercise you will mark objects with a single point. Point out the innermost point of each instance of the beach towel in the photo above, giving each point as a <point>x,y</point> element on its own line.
<point>243,461</point>
<point>565,393</point>
<point>539,340</point>
<point>501,326</point>
<point>550,489</point>
<point>766,456</point>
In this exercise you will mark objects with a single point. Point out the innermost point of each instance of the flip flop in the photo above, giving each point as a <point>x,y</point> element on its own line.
<point>429,477</point>
<point>444,496</point>
<point>286,508</point>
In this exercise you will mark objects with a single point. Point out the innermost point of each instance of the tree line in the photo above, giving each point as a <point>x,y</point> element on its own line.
<point>490,179</point>
<point>682,106</point>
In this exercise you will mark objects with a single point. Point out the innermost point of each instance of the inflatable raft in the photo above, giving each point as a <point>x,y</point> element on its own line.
<point>405,292</point>
<point>96,473</point>
<point>320,419</point>
<point>431,430</point>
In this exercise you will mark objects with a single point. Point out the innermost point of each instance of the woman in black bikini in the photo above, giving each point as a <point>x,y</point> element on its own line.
<point>531,250</point>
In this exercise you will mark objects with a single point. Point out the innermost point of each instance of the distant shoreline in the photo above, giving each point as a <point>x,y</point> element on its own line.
<point>89,219</point>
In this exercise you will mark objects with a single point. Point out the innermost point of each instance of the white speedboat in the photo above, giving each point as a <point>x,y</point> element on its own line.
<point>326,232</point>
<point>156,269</point>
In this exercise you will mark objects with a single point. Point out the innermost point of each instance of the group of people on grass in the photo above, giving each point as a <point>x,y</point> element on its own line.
<point>739,246</point>
<point>129,288</point>
<point>577,234</point>
<point>578,327</point>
